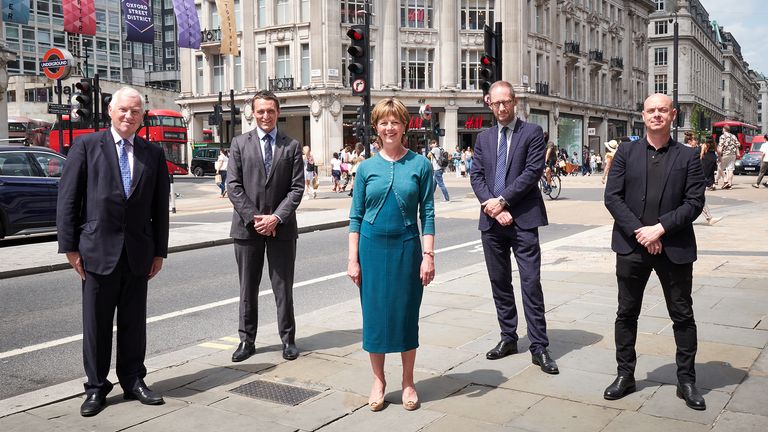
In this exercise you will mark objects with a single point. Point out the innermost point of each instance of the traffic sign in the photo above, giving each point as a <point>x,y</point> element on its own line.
<point>54,108</point>
<point>57,63</point>
<point>358,85</point>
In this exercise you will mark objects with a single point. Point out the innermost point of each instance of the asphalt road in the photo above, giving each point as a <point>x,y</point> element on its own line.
<point>43,308</point>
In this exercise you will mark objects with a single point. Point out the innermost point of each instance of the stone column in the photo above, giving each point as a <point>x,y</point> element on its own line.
<point>5,57</point>
<point>512,14</point>
<point>450,122</point>
<point>248,51</point>
<point>449,44</point>
<point>389,22</point>
<point>326,130</point>
<point>324,46</point>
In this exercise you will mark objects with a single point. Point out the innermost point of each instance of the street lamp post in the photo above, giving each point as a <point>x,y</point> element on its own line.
<point>673,7</point>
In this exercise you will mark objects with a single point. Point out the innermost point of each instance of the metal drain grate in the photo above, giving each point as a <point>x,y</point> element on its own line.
<point>274,392</point>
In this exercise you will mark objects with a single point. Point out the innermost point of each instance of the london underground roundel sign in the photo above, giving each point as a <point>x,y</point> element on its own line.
<point>57,63</point>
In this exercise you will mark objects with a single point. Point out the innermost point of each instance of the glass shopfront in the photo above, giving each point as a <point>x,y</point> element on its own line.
<point>540,118</point>
<point>570,130</point>
<point>469,125</point>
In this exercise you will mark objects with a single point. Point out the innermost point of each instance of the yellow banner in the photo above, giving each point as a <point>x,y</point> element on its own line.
<point>226,10</point>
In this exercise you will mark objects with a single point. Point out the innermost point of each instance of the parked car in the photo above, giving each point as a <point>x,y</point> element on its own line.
<point>29,184</point>
<point>749,163</point>
<point>204,161</point>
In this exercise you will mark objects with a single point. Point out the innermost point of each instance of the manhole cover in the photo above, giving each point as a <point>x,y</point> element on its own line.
<point>274,392</point>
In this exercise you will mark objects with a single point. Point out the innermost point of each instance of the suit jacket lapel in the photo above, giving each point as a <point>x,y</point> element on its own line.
<point>109,151</point>
<point>281,141</point>
<point>643,158</point>
<point>513,143</point>
<point>140,153</point>
<point>494,155</point>
<point>674,151</point>
<point>254,145</point>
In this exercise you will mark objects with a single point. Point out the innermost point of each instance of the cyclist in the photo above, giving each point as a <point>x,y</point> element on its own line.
<point>550,160</point>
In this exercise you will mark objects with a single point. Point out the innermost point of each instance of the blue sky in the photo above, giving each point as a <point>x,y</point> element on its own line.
<point>747,20</point>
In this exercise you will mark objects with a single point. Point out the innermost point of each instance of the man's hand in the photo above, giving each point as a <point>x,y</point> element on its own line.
<point>504,218</point>
<point>654,248</point>
<point>266,224</point>
<point>649,234</point>
<point>157,264</point>
<point>77,263</point>
<point>492,207</point>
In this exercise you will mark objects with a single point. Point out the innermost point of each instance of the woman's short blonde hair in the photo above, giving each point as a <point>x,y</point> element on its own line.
<point>390,107</point>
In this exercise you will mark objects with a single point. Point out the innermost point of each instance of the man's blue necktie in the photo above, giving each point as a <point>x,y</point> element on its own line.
<point>125,167</point>
<point>501,164</point>
<point>267,152</point>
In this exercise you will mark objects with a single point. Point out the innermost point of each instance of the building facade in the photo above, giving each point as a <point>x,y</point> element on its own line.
<point>713,77</point>
<point>579,68</point>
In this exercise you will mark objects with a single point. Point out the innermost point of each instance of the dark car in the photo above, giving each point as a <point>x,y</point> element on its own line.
<point>204,161</point>
<point>749,163</point>
<point>29,184</point>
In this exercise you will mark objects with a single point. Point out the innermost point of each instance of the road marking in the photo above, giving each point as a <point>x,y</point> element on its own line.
<point>215,345</point>
<point>187,311</point>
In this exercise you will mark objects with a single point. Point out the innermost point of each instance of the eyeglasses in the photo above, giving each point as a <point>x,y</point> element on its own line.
<point>507,103</point>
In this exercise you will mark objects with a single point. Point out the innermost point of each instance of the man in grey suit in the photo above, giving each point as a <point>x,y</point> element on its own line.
<point>265,182</point>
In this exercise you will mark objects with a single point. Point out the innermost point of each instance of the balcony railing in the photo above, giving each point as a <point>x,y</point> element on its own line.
<point>640,107</point>
<point>212,35</point>
<point>595,55</point>
<point>572,47</point>
<point>617,62</point>
<point>281,84</point>
<point>542,88</point>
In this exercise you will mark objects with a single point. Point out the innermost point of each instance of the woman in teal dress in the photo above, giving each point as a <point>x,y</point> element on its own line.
<point>393,193</point>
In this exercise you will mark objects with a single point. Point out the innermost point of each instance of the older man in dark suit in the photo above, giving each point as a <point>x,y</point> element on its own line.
<point>506,168</point>
<point>655,191</point>
<point>112,221</point>
<point>265,182</point>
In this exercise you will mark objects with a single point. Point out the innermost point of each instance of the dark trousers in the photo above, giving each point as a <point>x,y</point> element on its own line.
<point>102,294</point>
<point>632,273</point>
<point>497,242</point>
<point>281,258</point>
<point>763,169</point>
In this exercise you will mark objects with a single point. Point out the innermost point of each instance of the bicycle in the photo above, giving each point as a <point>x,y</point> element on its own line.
<point>553,190</point>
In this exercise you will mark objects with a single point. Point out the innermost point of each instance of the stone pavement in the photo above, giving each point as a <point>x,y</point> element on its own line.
<point>459,389</point>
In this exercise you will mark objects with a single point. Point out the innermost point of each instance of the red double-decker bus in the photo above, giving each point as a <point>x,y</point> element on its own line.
<point>165,128</point>
<point>743,131</point>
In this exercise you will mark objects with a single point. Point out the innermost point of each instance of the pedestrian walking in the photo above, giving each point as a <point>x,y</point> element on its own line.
<point>436,156</point>
<point>728,146</point>
<point>310,172</point>
<point>221,171</point>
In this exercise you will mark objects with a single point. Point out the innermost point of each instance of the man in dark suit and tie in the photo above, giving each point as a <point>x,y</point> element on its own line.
<point>265,182</point>
<point>112,221</point>
<point>655,191</point>
<point>506,168</point>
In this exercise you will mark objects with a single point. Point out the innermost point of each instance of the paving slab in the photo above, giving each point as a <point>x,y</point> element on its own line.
<point>25,422</point>
<point>571,417</point>
<point>665,403</point>
<point>713,375</point>
<point>488,404</point>
<point>464,318</point>
<point>731,421</point>
<point>391,418</point>
<point>760,366</point>
<point>727,335</point>
<point>750,397</point>
<point>463,424</point>
<point>202,418</point>
<point>447,335</point>
<point>630,421</point>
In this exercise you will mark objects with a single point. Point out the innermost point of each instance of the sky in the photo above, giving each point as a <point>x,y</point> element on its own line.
<point>747,20</point>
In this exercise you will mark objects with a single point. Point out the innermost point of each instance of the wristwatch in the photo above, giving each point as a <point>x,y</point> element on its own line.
<point>430,253</point>
<point>502,201</point>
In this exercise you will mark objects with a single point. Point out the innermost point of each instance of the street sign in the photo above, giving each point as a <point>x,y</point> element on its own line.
<point>425,111</point>
<point>358,86</point>
<point>57,63</point>
<point>54,108</point>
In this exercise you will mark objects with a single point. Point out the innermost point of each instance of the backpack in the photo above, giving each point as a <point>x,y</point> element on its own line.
<point>444,159</point>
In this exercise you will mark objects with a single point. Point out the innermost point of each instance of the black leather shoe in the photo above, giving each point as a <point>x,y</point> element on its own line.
<point>143,394</point>
<point>545,362</point>
<point>94,403</point>
<point>243,351</point>
<point>290,352</point>
<point>693,398</point>
<point>501,350</point>
<point>621,386</point>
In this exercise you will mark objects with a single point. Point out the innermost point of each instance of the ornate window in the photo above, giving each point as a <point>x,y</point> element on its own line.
<point>476,13</point>
<point>416,68</point>
<point>416,13</point>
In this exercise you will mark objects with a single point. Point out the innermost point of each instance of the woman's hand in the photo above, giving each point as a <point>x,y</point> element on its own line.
<point>427,270</point>
<point>353,271</point>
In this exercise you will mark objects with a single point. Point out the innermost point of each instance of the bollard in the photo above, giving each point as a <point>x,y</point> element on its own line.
<point>173,197</point>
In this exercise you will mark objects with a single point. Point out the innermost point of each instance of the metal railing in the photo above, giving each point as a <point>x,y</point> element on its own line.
<point>572,47</point>
<point>595,55</point>
<point>542,88</point>
<point>212,35</point>
<point>281,84</point>
<point>617,62</point>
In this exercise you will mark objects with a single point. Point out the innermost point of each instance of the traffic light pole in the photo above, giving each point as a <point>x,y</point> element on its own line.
<point>367,94</point>
<point>220,119</point>
<point>96,100</point>
<point>499,51</point>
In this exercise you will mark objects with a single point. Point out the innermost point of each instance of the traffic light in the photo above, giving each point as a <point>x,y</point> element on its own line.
<point>436,129</point>
<point>106,98</point>
<point>82,100</point>
<point>359,124</point>
<point>490,61</point>
<point>213,119</point>
<point>359,77</point>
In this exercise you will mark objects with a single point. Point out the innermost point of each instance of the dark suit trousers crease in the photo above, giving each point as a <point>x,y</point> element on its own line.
<point>632,273</point>
<point>281,259</point>
<point>102,294</point>
<point>497,242</point>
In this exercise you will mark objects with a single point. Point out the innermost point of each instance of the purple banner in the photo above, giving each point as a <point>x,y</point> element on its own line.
<point>187,23</point>
<point>138,21</point>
